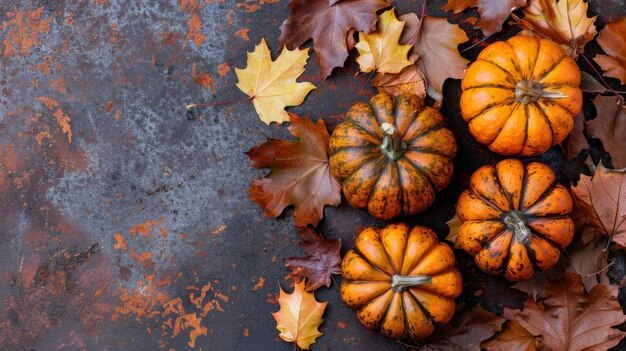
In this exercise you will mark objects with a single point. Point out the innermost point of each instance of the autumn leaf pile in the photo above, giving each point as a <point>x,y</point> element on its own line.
<point>570,307</point>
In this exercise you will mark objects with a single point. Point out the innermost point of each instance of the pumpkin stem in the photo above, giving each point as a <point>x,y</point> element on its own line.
<point>399,282</point>
<point>528,91</point>
<point>392,143</point>
<point>515,220</point>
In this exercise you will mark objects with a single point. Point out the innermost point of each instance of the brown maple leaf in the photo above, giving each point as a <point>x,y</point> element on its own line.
<point>576,142</point>
<point>492,13</point>
<point>299,173</point>
<point>409,80</point>
<point>568,319</point>
<point>466,331</point>
<point>564,21</point>
<point>512,337</point>
<point>610,127</point>
<point>322,261</point>
<point>328,25</point>
<point>602,198</point>
<point>590,261</point>
<point>612,40</point>
<point>439,56</point>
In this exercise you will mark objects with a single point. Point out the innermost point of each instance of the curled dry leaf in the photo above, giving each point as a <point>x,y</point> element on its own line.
<point>610,127</point>
<point>564,21</point>
<point>299,316</point>
<point>465,331</point>
<point>588,84</point>
<point>439,56</point>
<point>380,50</point>
<point>492,13</point>
<point>512,337</point>
<point>409,80</point>
<point>612,40</point>
<point>327,25</point>
<point>323,259</point>
<point>569,319</point>
<point>299,173</point>
<point>272,84</point>
<point>602,198</point>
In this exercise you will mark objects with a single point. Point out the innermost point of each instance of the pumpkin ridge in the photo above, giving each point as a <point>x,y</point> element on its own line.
<point>369,196</point>
<point>434,128</point>
<point>525,142</point>
<point>487,201</point>
<point>508,196</point>
<point>507,259</point>
<point>534,232</point>
<point>419,170</point>
<point>532,256</point>
<point>490,85</point>
<point>423,150</point>
<point>541,197</point>
<point>515,62</point>
<point>545,117</point>
<point>549,70</point>
<point>506,71</point>
<point>532,71</point>
<point>522,194</point>
<point>421,306</point>
<point>413,120</point>
<point>352,123</point>
<point>361,166</point>
<point>417,261</point>
<point>356,249</point>
<point>491,106</point>
<point>406,199</point>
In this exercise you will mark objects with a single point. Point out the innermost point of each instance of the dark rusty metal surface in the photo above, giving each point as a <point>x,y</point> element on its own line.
<point>125,222</point>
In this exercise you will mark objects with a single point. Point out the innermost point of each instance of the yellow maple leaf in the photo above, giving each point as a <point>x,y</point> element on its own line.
<point>272,84</point>
<point>380,49</point>
<point>453,235</point>
<point>565,22</point>
<point>299,316</point>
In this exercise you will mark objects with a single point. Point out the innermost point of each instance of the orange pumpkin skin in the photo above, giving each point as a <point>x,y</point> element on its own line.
<point>396,169</point>
<point>515,218</point>
<point>520,96</point>
<point>401,283</point>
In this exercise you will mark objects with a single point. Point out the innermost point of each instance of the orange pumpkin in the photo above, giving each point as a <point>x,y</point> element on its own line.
<point>403,283</point>
<point>515,218</point>
<point>520,96</point>
<point>392,155</point>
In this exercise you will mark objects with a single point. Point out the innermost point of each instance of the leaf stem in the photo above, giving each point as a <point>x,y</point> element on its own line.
<point>489,36</point>
<point>419,25</point>
<point>602,79</point>
<point>219,103</point>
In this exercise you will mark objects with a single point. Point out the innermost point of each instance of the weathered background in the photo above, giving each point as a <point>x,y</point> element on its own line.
<point>125,222</point>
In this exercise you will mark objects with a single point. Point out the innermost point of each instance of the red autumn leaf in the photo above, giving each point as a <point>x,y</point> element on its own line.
<point>299,173</point>
<point>612,40</point>
<point>610,127</point>
<point>466,331</point>
<point>576,142</point>
<point>568,319</point>
<point>322,261</point>
<point>602,199</point>
<point>328,25</point>
<point>492,13</point>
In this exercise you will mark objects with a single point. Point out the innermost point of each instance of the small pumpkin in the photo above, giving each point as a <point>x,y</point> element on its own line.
<point>391,155</point>
<point>520,96</point>
<point>401,282</point>
<point>515,218</point>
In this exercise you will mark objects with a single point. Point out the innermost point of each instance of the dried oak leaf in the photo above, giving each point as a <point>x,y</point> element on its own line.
<point>465,332</point>
<point>439,56</point>
<point>610,127</point>
<point>512,337</point>
<point>492,13</point>
<point>272,84</point>
<point>299,316</point>
<point>568,319</point>
<point>565,22</point>
<point>299,173</point>
<point>602,198</point>
<point>328,25</point>
<point>323,259</point>
<point>380,50</point>
<point>612,40</point>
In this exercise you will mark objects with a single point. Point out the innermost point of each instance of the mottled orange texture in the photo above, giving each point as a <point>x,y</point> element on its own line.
<point>202,78</point>
<point>147,228</point>
<point>59,85</point>
<point>23,30</point>
<point>100,2</point>
<point>259,285</point>
<point>243,33</point>
<point>193,33</point>
<point>219,229</point>
<point>246,333</point>
<point>223,69</point>
<point>63,120</point>
<point>120,242</point>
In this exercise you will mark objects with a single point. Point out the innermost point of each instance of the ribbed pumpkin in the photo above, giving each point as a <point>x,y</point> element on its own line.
<point>403,283</point>
<point>520,96</point>
<point>515,218</point>
<point>392,155</point>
